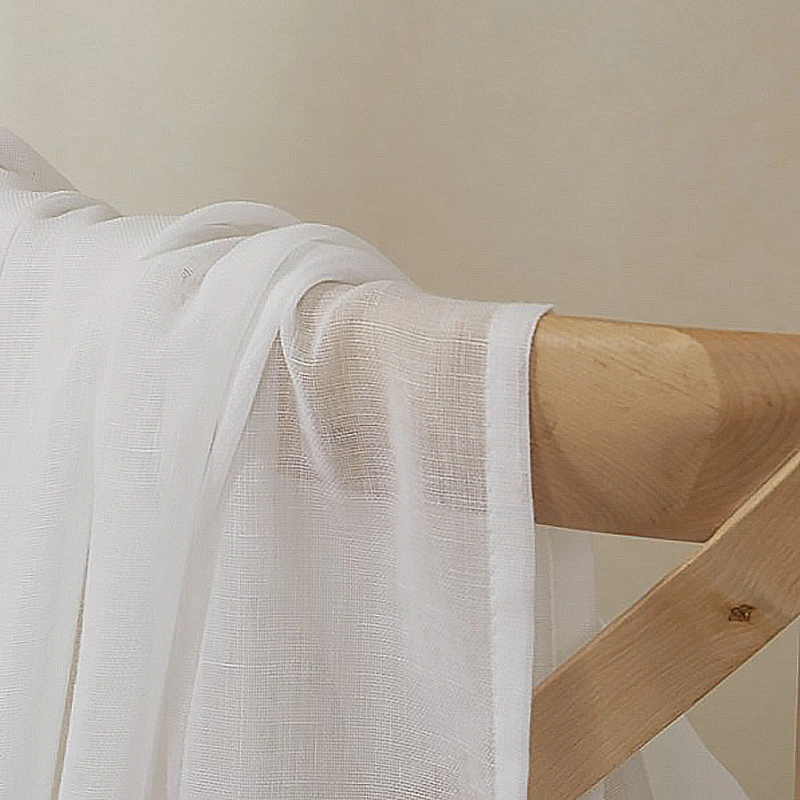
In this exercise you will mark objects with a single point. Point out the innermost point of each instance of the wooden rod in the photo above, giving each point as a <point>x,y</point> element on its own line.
<point>656,430</point>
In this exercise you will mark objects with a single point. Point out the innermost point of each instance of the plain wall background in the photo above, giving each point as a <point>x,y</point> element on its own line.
<point>621,159</point>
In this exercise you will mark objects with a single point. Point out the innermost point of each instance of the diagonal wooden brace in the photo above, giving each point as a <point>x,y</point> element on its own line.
<point>676,643</point>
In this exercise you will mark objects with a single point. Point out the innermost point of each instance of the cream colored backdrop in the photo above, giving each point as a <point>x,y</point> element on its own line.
<point>625,159</point>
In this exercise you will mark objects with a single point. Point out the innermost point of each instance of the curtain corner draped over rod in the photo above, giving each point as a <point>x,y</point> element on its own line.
<point>266,523</point>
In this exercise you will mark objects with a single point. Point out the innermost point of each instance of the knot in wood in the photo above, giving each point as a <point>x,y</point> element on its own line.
<point>741,613</point>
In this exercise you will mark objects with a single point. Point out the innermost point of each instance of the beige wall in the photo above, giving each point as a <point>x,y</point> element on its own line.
<point>624,159</point>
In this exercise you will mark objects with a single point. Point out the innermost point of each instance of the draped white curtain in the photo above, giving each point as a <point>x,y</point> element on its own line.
<point>267,524</point>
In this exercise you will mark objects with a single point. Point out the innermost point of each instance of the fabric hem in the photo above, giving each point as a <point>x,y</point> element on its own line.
<point>511,539</point>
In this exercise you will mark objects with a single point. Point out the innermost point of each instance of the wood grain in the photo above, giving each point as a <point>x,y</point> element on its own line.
<point>656,430</point>
<point>682,638</point>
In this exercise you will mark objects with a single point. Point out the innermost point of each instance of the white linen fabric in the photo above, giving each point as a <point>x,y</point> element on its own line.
<point>266,524</point>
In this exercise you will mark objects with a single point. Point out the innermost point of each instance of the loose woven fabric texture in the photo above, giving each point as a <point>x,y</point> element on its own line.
<point>266,519</point>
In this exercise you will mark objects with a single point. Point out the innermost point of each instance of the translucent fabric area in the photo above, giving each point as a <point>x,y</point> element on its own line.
<point>266,524</point>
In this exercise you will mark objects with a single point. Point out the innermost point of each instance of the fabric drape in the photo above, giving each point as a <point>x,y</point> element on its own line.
<point>266,523</point>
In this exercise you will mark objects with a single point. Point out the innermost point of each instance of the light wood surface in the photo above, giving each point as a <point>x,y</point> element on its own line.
<point>655,430</point>
<point>682,638</point>
<point>669,432</point>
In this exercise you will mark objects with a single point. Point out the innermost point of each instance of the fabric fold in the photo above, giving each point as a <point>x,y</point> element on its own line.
<point>266,518</point>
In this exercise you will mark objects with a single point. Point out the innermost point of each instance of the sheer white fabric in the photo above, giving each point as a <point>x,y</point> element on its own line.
<point>267,525</point>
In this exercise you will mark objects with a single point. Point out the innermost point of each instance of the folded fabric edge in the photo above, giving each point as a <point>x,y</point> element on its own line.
<point>511,538</point>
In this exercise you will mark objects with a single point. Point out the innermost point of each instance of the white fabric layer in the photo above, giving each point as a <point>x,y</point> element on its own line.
<point>267,524</point>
